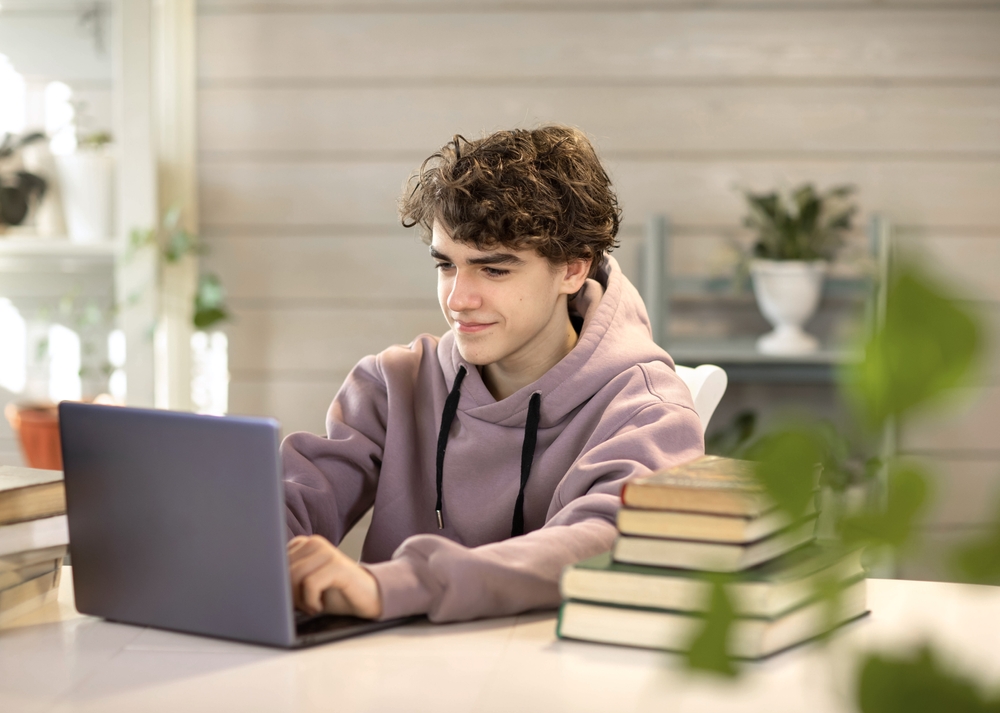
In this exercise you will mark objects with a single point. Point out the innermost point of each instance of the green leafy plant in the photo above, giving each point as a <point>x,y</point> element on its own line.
<point>805,225</point>
<point>174,243</point>
<point>928,343</point>
<point>94,140</point>
<point>18,188</point>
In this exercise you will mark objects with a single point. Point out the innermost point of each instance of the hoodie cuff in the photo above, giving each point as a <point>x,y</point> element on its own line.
<point>402,592</point>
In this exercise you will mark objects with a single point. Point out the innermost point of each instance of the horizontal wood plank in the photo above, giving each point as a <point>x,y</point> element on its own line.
<point>923,121</point>
<point>277,343</point>
<point>963,492</point>
<point>651,45</point>
<point>297,405</point>
<point>286,195</point>
<point>968,422</point>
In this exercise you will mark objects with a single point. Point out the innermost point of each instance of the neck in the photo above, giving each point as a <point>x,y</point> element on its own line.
<point>530,363</point>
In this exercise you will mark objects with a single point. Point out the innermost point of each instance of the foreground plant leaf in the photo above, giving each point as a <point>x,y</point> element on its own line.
<point>709,651</point>
<point>978,561</point>
<point>928,344</point>
<point>787,465</point>
<point>919,684</point>
<point>894,524</point>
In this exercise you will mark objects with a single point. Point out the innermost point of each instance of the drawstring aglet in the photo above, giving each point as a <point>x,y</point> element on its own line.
<point>440,521</point>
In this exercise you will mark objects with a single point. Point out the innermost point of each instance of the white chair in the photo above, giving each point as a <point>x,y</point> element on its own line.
<point>707,383</point>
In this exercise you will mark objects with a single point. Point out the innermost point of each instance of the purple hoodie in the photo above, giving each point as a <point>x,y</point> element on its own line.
<point>613,408</point>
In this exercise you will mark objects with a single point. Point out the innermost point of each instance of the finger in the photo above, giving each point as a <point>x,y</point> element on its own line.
<point>335,602</point>
<point>313,586</point>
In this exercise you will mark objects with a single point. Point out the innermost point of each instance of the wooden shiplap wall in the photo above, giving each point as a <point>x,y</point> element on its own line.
<point>312,114</point>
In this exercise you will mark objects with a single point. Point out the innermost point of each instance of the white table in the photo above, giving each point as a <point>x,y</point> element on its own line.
<point>54,659</point>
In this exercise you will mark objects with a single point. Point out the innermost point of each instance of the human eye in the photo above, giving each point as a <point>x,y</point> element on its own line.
<point>444,266</point>
<point>495,272</point>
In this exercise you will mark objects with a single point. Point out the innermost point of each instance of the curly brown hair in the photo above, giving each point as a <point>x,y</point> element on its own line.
<point>543,189</point>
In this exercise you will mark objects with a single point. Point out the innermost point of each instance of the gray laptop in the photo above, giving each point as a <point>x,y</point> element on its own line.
<point>177,521</point>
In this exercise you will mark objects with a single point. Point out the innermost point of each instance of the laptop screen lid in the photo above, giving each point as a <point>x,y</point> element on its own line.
<point>177,521</point>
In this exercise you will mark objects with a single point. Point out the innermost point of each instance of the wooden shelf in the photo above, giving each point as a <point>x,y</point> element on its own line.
<point>54,248</point>
<point>743,363</point>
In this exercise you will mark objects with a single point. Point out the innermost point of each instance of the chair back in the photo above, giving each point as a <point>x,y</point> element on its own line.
<point>707,384</point>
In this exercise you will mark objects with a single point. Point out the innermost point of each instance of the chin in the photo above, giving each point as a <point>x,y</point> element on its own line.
<point>473,354</point>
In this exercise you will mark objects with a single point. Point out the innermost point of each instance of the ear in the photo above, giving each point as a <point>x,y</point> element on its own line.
<point>574,275</point>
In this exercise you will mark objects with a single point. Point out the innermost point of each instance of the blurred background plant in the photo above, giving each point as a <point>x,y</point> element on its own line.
<point>804,225</point>
<point>927,344</point>
<point>174,243</point>
<point>20,190</point>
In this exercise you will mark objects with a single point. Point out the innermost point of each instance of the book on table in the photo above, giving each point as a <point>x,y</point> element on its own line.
<point>33,535</point>
<point>767,590</point>
<point>27,596</point>
<point>673,524</point>
<point>30,494</point>
<point>709,484</point>
<point>750,637</point>
<point>712,556</point>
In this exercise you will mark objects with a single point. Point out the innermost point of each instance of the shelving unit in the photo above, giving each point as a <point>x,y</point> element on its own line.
<point>738,355</point>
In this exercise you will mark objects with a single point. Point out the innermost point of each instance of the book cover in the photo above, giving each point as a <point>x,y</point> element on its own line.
<point>735,529</point>
<point>13,577</point>
<point>16,560</point>
<point>30,493</point>
<point>750,637</point>
<point>709,484</point>
<point>711,556</point>
<point>34,535</point>
<point>28,596</point>
<point>766,590</point>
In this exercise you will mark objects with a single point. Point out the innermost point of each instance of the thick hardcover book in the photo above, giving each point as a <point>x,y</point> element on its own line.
<point>733,529</point>
<point>30,493</point>
<point>767,590</point>
<point>13,577</point>
<point>27,596</point>
<point>711,556</point>
<point>17,560</point>
<point>750,637</point>
<point>33,535</point>
<point>710,484</point>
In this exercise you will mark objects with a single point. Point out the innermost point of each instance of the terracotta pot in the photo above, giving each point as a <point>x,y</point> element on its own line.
<point>37,426</point>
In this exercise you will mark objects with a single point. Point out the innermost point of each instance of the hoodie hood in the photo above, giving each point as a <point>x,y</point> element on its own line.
<point>616,336</point>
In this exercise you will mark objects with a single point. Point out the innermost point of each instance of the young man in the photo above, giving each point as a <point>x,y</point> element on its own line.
<point>494,455</point>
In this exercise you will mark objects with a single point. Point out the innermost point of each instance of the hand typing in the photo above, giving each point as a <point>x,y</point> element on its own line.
<point>324,579</point>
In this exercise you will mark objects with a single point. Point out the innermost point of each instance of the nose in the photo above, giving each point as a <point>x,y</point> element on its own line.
<point>463,295</point>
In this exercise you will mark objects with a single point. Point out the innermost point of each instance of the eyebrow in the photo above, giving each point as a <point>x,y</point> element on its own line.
<point>489,259</point>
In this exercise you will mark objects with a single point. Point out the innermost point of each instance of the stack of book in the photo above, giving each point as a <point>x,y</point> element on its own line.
<point>710,517</point>
<point>33,538</point>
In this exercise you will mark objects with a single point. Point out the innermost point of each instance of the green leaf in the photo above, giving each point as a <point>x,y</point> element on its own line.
<point>709,650</point>
<point>917,685</point>
<point>787,464</point>
<point>978,560</point>
<point>209,302</point>
<point>893,526</point>
<point>928,344</point>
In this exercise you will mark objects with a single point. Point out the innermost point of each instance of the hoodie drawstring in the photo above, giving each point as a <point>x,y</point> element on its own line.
<point>447,416</point>
<point>527,449</point>
<point>527,455</point>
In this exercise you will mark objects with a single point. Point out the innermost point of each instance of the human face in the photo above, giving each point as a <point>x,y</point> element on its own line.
<point>506,307</point>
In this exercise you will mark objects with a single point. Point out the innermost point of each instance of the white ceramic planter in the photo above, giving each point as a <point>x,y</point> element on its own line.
<point>86,180</point>
<point>788,293</point>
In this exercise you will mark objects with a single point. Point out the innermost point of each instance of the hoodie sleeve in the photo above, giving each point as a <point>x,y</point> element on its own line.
<point>429,574</point>
<point>330,482</point>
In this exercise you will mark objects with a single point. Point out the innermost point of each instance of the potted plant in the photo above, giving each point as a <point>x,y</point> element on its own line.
<point>797,237</point>
<point>20,190</point>
<point>87,181</point>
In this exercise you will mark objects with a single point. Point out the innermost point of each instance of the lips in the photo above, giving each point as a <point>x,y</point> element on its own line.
<point>472,327</point>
